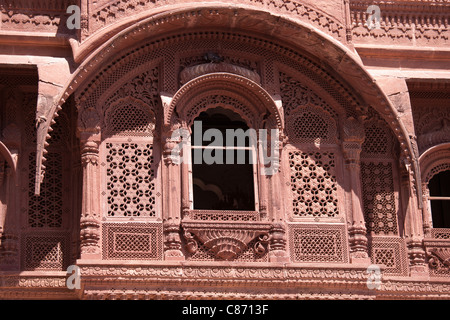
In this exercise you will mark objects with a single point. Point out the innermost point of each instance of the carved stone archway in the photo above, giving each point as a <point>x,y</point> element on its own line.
<point>343,77</point>
<point>238,91</point>
<point>235,86</point>
<point>297,35</point>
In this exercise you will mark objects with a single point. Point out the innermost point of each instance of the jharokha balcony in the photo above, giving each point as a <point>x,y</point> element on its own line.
<point>224,149</point>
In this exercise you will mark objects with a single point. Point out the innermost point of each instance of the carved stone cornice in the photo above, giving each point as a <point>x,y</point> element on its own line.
<point>404,21</point>
<point>103,15</point>
<point>189,280</point>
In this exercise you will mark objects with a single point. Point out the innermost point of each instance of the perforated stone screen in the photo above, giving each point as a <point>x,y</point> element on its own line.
<point>45,251</point>
<point>313,184</point>
<point>135,241</point>
<point>379,200</point>
<point>390,253</point>
<point>318,243</point>
<point>130,180</point>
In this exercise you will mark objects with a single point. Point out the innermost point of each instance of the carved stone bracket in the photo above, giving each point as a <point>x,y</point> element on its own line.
<point>226,240</point>
<point>439,259</point>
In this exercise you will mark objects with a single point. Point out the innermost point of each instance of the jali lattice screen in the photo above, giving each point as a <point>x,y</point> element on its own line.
<point>313,184</point>
<point>318,243</point>
<point>136,241</point>
<point>130,180</point>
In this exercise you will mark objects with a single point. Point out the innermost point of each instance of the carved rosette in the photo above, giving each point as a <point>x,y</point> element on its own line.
<point>226,241</point>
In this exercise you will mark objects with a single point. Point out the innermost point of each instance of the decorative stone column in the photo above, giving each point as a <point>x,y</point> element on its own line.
<point>353,136</point>
<point>90,213</point>
<point>171,192</point>
<point>273,178</point>
<point>9,241</point>
<point>90,222</point>
<point>9,219</point>
<point>426,212</point>
<point>413,224</point>
<point>263,178</point>
<point>3,198</point>
<point>277,243</point>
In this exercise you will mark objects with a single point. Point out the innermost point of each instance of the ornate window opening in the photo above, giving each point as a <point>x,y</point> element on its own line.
<point>378,180</point>
<point>48,222</point>
<point>129,162</point>
<point>313,163</point>
<point>223,173</point>
<point>439,199</point>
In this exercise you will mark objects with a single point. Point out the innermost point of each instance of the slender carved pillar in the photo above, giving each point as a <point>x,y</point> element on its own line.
<point>3,195</point>
<point>90,138</point>
<point>426,212</point>
<point>84,31</point>
<point>277,243</point>
<point>273,178</point>
<point>90,213</point>
<point>263,180</point>
<point>413,225</point>
<point>171,192</point>
<point>353,138</point>
<point>77,185</point>
<point>348,21</point>
<point>185,150</point>
<point>9,240</point>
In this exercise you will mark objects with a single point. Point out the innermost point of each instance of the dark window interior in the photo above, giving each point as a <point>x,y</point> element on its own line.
<point>439,186</point>
<point>223,186</point>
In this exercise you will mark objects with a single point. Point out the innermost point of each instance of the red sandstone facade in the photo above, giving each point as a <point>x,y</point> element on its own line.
<point>87,176</point>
